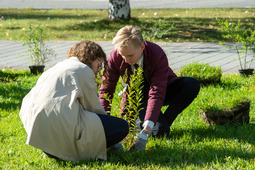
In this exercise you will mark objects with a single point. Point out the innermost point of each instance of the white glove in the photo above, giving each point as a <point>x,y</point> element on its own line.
<point>141,140</point>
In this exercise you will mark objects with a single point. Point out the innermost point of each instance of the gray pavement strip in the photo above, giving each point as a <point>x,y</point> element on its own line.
<point>179,54</point>
<point>103,4</point>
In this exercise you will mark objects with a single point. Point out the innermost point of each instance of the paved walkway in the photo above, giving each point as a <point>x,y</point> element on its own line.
<point>103,4</point>
<point>179,54</point>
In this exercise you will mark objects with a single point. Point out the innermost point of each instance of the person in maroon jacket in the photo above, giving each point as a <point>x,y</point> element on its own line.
<point>161,85</point>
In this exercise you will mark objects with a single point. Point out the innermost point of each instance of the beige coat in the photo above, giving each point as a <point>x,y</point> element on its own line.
<point>59,113</point>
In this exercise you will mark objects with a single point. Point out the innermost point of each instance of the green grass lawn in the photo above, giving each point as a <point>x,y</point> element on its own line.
<point>191,144</point>
<point>172,25</point>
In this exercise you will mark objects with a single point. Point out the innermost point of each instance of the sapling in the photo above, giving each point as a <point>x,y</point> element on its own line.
<point>132,87</point>
<point>38,51</point>
<point>133,103</point>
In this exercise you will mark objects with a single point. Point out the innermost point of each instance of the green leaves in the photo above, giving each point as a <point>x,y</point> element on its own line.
<point>244,40</point>
<point>203,72</point>
<point>132,86</point>
<point>132,106</point>
<point>162,29</point>
<point>37,49</point>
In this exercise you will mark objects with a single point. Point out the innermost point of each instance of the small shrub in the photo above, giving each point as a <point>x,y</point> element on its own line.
<point>38,51</point>
<point>204,73</point>
<point>244,41</point>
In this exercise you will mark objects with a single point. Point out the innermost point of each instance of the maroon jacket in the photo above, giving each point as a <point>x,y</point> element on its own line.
<point>157,73</point>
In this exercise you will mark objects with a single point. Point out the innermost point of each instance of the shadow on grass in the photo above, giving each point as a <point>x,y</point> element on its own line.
<point>10,76</point>
<point>42,14</point>
<point>103,24</point>
<point>185,29</point>
<point>240,132</point>
<point>224,84</point>
<point>12,90</point>
<point>12,96</point>
<point>177,157</point>
<point>190,29</point>
<point>181,155</point>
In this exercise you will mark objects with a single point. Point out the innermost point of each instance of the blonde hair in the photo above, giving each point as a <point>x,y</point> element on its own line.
<point>127,35</point>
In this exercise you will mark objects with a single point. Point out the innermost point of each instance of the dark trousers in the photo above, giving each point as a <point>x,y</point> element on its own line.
<point>116,129</point>
<point>179,95</point>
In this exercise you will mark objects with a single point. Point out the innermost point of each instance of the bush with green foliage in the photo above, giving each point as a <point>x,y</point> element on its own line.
<point>203,72</point>
<point>244,41</point>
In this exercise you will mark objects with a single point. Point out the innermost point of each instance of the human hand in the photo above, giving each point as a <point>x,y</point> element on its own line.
<point>141,140</point>
<point>147,129</point>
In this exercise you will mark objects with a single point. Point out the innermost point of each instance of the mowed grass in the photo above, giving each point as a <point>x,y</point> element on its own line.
<point>190,145</point>
<point>179,24</point>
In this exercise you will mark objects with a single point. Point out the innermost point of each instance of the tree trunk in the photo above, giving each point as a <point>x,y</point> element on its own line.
<point>119,9</point>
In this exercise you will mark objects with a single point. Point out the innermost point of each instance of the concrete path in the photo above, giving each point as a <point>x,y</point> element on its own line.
<point>103,4</point>
<point>179,54</point>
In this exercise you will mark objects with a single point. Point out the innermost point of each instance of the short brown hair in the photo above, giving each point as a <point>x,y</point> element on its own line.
<point>127,35</point>
<point>87,52</point>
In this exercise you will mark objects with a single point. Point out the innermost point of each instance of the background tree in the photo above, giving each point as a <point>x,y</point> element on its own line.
<point>119,9</point>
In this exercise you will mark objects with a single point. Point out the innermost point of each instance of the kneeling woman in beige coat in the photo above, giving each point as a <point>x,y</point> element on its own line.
<point>62,114</point>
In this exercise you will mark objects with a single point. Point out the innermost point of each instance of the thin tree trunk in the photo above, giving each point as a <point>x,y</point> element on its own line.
<point>119,9</point>
<point>239,58</point>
